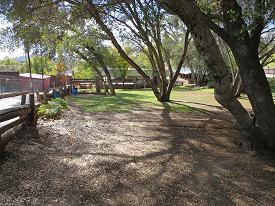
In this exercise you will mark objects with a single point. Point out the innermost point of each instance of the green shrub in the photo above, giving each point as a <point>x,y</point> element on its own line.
<point>53,109</point>
<point>60,102</point>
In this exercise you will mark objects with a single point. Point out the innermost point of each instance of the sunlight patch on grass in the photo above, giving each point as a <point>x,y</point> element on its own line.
<point>126,100</point>
<point>272,85</point>
<point>184,99</point>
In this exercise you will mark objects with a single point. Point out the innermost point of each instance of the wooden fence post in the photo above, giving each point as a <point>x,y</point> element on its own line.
<point>38,97</point>
<point>53,94</point>
<point>33,112</point>
<point>45,99</point>
<point>23,99</point>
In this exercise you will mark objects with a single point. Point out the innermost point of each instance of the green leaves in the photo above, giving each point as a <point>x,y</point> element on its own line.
<point>83,70</point>
<point>12,65</point>
<point>53,109</point>
<point>40,63</point>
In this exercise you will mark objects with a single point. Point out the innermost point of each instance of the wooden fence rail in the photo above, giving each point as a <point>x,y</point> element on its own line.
<point>25,115</point>
<point>13,94</point>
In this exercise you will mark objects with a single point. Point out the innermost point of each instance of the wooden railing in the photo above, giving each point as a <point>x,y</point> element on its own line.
<point>12,94</point>
<point>25,114</point>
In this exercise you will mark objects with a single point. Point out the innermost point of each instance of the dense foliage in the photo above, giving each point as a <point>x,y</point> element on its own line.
<point>53,109</point>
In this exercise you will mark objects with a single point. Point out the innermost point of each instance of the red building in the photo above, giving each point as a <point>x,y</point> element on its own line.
<point>9,81</point>
<point>39,83</point>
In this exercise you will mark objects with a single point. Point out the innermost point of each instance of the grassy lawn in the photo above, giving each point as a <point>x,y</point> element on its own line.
<point>272,64</point>
<point>272,85</point>
<point>184,99</point>
<point>93,90</point>
<point>124,101</point>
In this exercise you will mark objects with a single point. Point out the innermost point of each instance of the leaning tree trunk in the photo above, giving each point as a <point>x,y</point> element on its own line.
<point>237,85</point>
<point>98,85</point>
<point>174,77</point>
<point>109,79</point>
<point>251,71</point>
<point>258,90</point>
<point>165,87</point>
<point>94,68</point>
<point>103,84</point>
<point>2,145</point>
<point>101,62</point>
<point>206,45</point>
<point>244,47</point>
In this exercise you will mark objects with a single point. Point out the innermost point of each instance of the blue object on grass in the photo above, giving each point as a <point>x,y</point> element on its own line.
<point>74,91</point>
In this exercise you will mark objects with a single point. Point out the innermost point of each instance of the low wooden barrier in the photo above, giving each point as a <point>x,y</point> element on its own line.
<point>22,115</point>
<point>25,114</point>
<point>13,94</point>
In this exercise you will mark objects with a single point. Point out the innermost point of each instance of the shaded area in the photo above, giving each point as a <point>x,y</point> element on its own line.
<point>271,82</point>
<point>152,157</point>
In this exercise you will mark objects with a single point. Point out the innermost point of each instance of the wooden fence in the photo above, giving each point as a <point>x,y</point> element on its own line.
<point>134,83</point>
<point>22,115</point>
<point>269,72</point>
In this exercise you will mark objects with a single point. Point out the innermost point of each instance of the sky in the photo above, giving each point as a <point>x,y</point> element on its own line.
<point>14,54</point>
<point>5,53</point>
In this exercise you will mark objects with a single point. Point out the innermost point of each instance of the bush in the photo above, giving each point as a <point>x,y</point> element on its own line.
<point>60,102</point>
<point>53,109</point>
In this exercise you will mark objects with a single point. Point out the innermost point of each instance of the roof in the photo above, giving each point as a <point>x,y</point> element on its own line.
<point>34,76</point>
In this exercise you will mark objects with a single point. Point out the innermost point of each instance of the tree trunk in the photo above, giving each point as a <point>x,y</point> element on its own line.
<point>206,45</point>
<point>174,78</point>
<point>160,95</point>
<point>258,90</point>
<point>101,62</point>
<point>245,48</point>
<point>2,145</point>
<point>237,85</point>
<point>238,89</point>
<point>94,68</point>
<point>251,72</point>
<point>30,68</point>
<point>109,80</point>
<point>165,97</point>
<point>98,85</point>
<point>100,78</point>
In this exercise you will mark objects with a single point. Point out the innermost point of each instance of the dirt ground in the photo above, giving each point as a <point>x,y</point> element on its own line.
<point>139,158</point>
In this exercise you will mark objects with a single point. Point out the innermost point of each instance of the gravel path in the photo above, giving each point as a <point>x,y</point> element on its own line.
<point>138,158</point>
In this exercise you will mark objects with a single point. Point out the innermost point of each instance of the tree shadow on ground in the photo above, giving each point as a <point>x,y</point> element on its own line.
<point>188,88</point>
<point>200,104</point>
<point>145,158</point>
